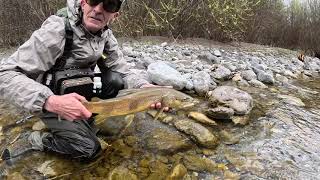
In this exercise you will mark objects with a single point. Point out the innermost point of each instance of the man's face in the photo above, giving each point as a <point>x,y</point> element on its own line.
<point>96,18</point>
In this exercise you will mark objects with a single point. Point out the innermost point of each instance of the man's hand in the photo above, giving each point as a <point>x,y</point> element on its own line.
<point>158,104</point>
<point>68,106</point>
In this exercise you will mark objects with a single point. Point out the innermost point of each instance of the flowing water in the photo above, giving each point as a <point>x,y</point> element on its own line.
<point>280,141</point>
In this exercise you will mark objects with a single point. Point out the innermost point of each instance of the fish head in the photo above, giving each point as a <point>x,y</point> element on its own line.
<point>179,100</point>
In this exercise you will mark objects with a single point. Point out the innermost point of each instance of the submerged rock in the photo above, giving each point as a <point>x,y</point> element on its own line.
<point>202,118</point>
<point>242,120</point>
<point>198,133</point>
<point>122,173</point>
<point>291,100</point>
<point>166,141</point>
<point>257,84</point>
<point>39,126</point>
<point>46,169</point>
<point>178,172</point>
<point>199,164</point>
<point>229,138</point>
<point>160,137</point>
<point>114,125</point>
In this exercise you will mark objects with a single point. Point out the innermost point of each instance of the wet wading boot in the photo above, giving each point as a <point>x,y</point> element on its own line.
<point>27,142</point>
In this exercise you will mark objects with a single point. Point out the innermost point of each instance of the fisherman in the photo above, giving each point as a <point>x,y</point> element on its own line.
<point>51,75</point>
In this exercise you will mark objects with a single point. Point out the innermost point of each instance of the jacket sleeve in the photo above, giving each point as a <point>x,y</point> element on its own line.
<point>18,73</point>
<point>115,61</point>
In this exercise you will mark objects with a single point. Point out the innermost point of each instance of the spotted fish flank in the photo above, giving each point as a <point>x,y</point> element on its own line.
<point>139,100</point>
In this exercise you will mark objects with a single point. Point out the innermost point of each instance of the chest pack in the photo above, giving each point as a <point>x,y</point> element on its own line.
<point>63,80</point>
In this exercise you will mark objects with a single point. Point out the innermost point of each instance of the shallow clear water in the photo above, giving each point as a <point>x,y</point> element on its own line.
<point>280,142</point>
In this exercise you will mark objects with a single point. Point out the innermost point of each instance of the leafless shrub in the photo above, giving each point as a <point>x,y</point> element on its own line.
<point>20,18</point>
<point>258,21</point>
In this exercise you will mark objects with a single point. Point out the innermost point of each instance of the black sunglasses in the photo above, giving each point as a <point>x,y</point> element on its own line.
<point>110,6</point>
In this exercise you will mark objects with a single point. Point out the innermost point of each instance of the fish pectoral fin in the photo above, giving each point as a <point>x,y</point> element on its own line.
<point>94,114</point>
<point>99,119</point>
<point>156,117</point>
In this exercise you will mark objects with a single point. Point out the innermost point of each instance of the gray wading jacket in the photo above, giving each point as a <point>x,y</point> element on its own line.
<point>19,72</point>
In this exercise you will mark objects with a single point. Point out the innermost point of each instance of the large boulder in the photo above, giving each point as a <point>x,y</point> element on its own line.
<point>240,101</point>
<point>201,82</point>
<point>162,74</point>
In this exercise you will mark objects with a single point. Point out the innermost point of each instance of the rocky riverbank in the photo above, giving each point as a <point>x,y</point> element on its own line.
<point>258,118</point>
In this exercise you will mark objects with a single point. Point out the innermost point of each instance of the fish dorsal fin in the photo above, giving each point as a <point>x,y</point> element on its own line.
<point>125,92</point>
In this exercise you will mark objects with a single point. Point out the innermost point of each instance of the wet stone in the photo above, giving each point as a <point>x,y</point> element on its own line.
<point>158,171</point>
<point>143,172</point>
<point>257,84</point>
<point>122,149</point>
<point>122,173</point>
<point>178,172</point>
<point>153,113</point>
<point>131,140</point>
<point>241,120</point>
<point>166,141</point>
<point>113,125</point>
<point>199,164</point>
<point>198,133</point>
<point>39,126</point>
<point>46,169</point>
<point>291,100</point>
<point>229,138</point>
<point>230,175</point>
<point>220,112</point>
<point>202,118</point>
<point>15,176</point>
<point>240,101</point>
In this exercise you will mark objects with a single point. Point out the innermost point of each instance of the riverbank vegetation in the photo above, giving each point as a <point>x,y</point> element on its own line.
<point>269,22</point>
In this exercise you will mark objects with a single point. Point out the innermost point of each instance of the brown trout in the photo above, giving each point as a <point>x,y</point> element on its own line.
<point>137,100</point>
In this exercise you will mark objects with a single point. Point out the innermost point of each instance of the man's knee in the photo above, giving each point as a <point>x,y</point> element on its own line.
<point>89,148</point>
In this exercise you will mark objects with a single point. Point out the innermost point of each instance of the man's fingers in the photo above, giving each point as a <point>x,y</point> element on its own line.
<point>153,106</point>
<point>79,97</point>
<point>87,114</point>
<point>158,105</point>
